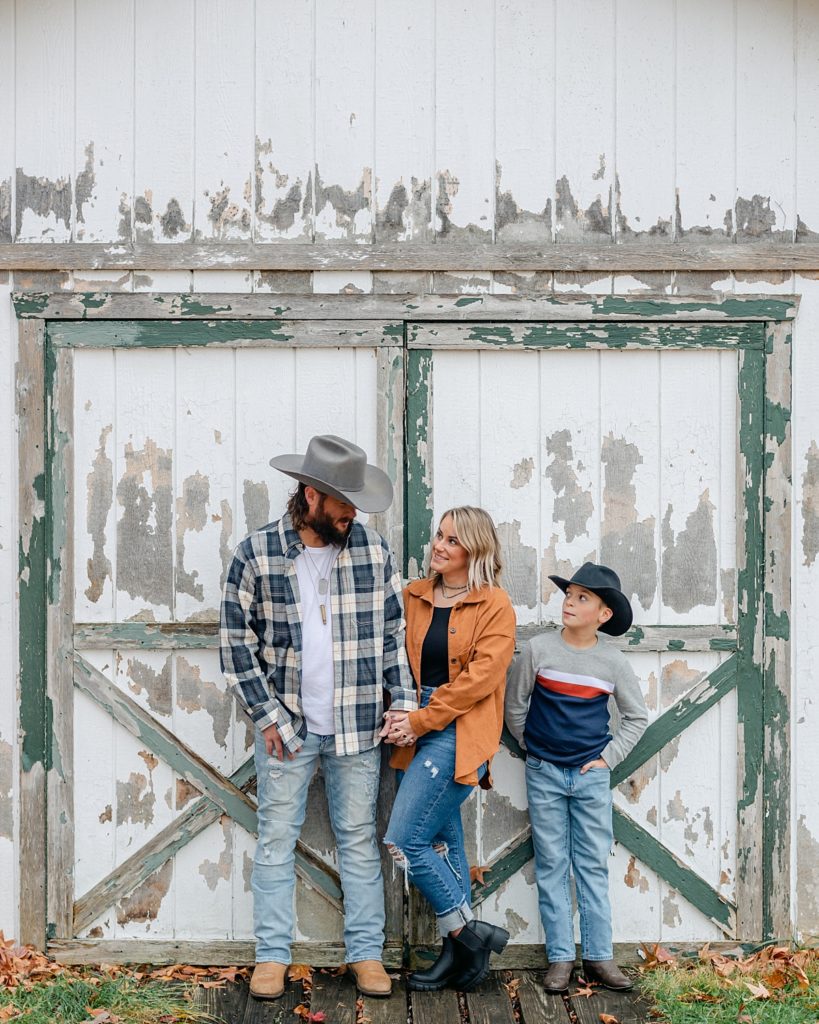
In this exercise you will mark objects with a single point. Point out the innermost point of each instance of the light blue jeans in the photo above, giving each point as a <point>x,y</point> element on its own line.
<point>425,832</point>
<point>351,782</point>
<point>571,826</point>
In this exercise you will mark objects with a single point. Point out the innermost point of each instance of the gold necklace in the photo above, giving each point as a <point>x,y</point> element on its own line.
<point>455,591</point>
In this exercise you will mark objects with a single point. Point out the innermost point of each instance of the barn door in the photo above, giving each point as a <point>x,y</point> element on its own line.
<point>638,445</point>
<point>163,432</point>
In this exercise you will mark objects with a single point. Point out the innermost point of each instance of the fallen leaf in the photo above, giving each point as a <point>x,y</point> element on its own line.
<point>319,1016</point>
<point>698,997</point>
<point>607,1018</point>
<point>776,978</point>
<point>758,991</point>
<point>300,972</point>
<point>584,990</point>
<point>302,1011</point>
<point>477,872</point>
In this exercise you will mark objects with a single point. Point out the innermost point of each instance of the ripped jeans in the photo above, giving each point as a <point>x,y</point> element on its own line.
<point>425,827</point>
<point>351,782</point>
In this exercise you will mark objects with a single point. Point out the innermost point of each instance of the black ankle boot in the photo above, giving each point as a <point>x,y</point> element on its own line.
<point>436,977</point>
<point>473,944</point>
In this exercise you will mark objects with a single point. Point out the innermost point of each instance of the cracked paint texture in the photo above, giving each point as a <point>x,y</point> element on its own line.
<point>689,573</point>
<point>573,506</point>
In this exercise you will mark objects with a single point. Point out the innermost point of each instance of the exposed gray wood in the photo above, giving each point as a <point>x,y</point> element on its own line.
<point>178,636</point>
<point>274,1011</point>
<point>224,1005</point>
<point>392,1010</point>
<point>30,408</point>
<point>60,666</point>
<point>416,308</point>
<point>537,1006</point>
<point>390,441</point>
<point>164,744</point>
<point>627,1007</point>
<point>335,996</point>
<point>777,825</point>
<point>402,256</point>
<point>490,1003</point>
<point>435,1007</point>
<point>162,952</point>
<point>393,883</point>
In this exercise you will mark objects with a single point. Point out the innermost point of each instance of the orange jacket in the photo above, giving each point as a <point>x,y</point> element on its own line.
<point>481,643</point>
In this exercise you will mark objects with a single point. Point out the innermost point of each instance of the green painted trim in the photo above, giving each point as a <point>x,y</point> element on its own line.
<point>519,852</point>
<point>197,333</point>
<point>618,335</point>
<point>418,468</point>
<point>146,635</point>
<point>678,718</point>
<point>35,710</point>
<point>670,868</point>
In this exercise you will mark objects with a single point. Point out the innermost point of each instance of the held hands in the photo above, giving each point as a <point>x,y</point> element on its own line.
<point>397,729</point>
<point>597,763</point>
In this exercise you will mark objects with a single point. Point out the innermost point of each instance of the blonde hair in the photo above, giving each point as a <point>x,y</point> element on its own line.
<point>476,533</point>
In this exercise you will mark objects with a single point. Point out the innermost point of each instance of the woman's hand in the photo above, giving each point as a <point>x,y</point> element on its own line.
<point>397,729</point>
<point>597,763</point>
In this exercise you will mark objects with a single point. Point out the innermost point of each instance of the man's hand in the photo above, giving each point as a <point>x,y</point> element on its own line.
<point>399,731</point>
<point>272,741</point>
<point>597,763</point>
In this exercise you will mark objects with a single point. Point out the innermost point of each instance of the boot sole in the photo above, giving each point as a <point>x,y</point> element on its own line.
<point>265,996</point>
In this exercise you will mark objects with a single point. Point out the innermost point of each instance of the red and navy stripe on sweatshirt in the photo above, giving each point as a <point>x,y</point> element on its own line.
<point>568,720</point>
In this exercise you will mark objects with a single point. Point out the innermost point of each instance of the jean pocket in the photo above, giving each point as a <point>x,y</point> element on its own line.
<point>533,762</point>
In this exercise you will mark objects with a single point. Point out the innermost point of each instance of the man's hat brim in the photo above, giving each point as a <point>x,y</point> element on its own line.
<point>622,615</point>
<point>375,495</point>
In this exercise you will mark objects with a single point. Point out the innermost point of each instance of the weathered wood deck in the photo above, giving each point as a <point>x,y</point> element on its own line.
<point>336,997</point>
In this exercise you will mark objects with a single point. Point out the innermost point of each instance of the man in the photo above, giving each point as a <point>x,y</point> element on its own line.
<point>312,632</point>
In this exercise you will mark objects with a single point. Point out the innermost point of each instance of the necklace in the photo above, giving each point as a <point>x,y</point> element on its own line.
<point>453,590</point>
<point>320,577</point>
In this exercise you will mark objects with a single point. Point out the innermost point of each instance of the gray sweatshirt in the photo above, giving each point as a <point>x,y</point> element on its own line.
<point>558,701</point>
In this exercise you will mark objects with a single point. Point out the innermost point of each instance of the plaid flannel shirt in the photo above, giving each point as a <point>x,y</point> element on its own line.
<point>261,638</point>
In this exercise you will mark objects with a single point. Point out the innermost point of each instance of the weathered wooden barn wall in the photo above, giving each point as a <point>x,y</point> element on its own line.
<point>622,123</point>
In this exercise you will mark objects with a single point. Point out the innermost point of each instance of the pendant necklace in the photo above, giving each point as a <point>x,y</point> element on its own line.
<point>321,580</point>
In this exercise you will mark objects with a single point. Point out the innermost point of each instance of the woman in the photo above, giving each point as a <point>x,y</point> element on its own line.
<point>460,641</point>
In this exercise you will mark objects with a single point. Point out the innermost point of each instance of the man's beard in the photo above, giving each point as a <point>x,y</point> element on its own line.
<point>325,529</point>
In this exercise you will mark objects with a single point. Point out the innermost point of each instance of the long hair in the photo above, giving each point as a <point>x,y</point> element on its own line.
<point>298,508</point>
<point>477,535</point>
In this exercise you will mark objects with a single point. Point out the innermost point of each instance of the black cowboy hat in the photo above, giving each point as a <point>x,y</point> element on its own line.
<point>604,582</point>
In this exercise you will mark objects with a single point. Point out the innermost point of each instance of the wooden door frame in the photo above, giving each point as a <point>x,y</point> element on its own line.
<point>44,388</point>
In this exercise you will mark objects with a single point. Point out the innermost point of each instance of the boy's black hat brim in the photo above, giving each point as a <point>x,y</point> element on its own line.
<point>622,615</point>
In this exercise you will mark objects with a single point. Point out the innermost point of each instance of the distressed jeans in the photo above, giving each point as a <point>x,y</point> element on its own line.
<point>425,833</point>
<point>571,826</point>
<point>351,782</point>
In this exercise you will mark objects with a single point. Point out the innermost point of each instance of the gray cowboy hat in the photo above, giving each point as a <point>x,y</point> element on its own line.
<point>604,582</point>
<point>339,468</point>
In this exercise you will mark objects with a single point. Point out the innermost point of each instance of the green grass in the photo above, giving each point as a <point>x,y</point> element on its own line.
<point>66,1000</point>
<point>677,994</point>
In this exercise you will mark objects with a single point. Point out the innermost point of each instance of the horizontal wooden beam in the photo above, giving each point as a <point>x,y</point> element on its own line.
<point>159,952</point>
<point>583,336</point>
<point>170,636</point>
<point>296,256</point>
<point>678,717</point>
<point>415,308</point>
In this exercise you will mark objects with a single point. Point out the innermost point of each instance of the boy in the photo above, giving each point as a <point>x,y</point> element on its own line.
<point>557,698</point>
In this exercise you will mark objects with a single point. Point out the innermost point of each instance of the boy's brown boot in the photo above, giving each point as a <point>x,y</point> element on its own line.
<point>607,974</point>
<point>558,976</point>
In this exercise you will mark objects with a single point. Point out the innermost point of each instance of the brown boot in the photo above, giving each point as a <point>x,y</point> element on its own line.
<point>558,976</point>
<point>370,978</point>
<point>268,980</point>
<point>607,974</point>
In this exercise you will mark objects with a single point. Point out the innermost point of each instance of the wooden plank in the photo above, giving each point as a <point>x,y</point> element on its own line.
<point>30,408</point>
<point>399,256</point>
<point>225,1005</point>
<point>583,336</point>
<point>392,1010</point>
<point>567,306</point>
<point>418,463</point>
<point>233,334</point>
<point>60,669</point>
<point>335,996</point>
<point>274,1011</point>
<point>7,103</point>
<point>490,1003</point>
<point>537,1006</point>
<point>389,454</point>
<point>807,119</point>
<point>434,1007</point>
<point>678,717</point>
<point>776,821</point>
<point>627,1007</point>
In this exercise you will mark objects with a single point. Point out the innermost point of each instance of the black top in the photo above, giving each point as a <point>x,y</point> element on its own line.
<point>435,650</point>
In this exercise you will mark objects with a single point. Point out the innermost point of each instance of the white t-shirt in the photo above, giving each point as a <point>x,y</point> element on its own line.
<point>317,672</point>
